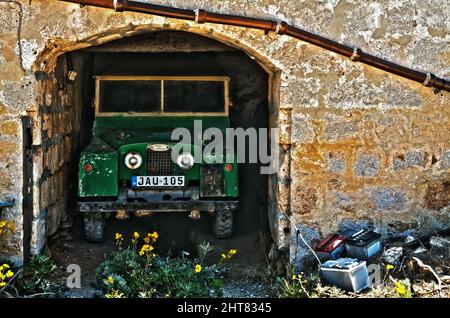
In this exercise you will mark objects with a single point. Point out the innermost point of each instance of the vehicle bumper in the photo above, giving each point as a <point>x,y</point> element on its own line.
<point>157,206</point>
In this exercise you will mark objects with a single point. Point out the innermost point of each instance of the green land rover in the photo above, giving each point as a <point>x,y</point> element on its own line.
<point>128,166</point>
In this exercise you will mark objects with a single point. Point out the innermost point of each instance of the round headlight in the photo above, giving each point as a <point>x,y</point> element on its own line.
<point>185,161</point>
<point>133,160</point>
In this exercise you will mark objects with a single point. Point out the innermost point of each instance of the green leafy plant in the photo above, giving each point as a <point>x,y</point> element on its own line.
<point>137,271</point>
<point>306,286</point>
<point>35,276</point>
<point>6,227</point>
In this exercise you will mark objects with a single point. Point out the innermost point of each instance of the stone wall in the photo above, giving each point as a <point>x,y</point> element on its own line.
<point>361,145</point>
<point>52,154</point>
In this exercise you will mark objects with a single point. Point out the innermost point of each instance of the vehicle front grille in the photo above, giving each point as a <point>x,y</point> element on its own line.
<point>159,163</point>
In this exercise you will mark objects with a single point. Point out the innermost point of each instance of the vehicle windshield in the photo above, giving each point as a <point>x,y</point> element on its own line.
<point>140,95</point>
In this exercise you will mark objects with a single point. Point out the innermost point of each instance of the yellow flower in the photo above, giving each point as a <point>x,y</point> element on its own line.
<point>232,252</point>
<point>151,237</point>
<point>110,280</point>
<point>294,277</point>
<point>145,249</point>
<point>389,267</point>
<point>115,294</point>
<point>118,236</point>
<point>9,274</point>
<point>400,288</point>
<point>224,256</point>
<point>5,266</point>
<point>2,284</point>
<point>198,268</point>
<point>135,235</point>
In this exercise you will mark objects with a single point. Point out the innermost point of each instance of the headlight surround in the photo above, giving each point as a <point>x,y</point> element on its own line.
<point>133,160</point>
<point>185,161</point>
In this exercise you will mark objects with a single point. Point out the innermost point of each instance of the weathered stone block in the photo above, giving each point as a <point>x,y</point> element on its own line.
<point>412,158</point>
<point>37,130</point>
<point>67,149</point>
<point>9,128</point>
<point>61,153</point>
<point>9,17</point>
<point>300,255</point>
<point>437,195</point>
<point>305,199</point>
<point>302,128</point>
<point>339,130</point>
<point>367,165</point>
<point>343,201</point>
<point>67,123</point>
<point>348,227</point>
<point>20,95</point>
<point>54,160</point>
<point>445,163</point>
<point>47,124</point>
<point>335,162</point>
<point>36,200</point>
<point>388,199</point>
<point>38,235</point>
<point>55,214</point>
<point>44,194</point>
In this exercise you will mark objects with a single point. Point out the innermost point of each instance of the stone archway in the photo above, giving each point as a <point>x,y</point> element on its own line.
<point>58,119</point>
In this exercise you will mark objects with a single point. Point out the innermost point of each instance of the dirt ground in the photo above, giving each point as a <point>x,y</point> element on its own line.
<point>248,270</point>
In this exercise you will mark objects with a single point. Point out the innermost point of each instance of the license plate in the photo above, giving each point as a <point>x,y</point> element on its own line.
<point>157,181</point>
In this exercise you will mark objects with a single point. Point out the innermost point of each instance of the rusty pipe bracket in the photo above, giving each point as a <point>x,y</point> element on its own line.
<point>119,5</point>
<point>427,80</point>
<point>201,16</point>
<point>356,55</point>
<point>281,28</point>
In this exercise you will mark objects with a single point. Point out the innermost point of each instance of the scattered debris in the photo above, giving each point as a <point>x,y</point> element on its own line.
<point>420,250</point>
<point>393,255</point>
<point>440,248</point>
<point>409,239</point>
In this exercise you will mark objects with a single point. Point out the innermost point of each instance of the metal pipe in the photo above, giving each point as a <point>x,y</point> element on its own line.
<point>202,16</point>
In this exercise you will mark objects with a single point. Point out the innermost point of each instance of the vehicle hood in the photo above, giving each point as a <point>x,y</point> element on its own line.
<point>121,130</point>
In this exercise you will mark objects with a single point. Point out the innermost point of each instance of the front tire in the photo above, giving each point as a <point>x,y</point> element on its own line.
<point>94,226</point>
<point>223,223</point>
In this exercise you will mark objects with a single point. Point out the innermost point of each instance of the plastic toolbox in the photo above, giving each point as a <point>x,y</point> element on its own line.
<point>346,273</point>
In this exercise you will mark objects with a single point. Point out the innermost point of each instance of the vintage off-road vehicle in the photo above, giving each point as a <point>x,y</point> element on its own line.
<point>128,168</point>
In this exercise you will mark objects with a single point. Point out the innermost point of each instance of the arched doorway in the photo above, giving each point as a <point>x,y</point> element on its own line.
<point>164,53</point>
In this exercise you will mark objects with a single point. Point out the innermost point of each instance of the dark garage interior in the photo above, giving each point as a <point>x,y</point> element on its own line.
<point>170,53</point>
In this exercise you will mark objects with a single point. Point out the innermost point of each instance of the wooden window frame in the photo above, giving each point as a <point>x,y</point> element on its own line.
<point>162,79</point>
